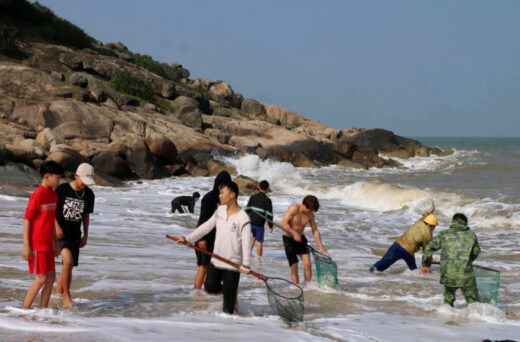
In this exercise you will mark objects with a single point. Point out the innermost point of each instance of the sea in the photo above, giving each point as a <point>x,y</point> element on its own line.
<point>133,284</point>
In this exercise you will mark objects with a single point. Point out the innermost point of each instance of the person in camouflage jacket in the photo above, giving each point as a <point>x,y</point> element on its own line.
<point>459,247</point>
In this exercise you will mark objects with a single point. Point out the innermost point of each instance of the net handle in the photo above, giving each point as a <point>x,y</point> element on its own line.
<point>216,256</point>
<point>475,266</point>
<point>289,232</point>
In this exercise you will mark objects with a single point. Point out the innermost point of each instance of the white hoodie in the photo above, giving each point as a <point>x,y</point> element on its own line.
<point>232,237</point>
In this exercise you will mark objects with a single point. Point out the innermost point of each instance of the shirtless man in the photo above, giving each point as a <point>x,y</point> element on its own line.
<point>293,222</point>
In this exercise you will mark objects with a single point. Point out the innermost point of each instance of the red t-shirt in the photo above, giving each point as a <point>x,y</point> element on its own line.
<point>41,211</point>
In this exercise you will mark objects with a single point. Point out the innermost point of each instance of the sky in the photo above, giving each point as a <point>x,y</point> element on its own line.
<point>417,68</point>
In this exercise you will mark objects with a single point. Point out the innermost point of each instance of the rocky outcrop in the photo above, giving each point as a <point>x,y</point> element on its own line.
<point>58,105</point>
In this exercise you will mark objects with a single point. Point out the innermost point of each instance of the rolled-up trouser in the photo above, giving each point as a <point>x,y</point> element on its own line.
<point>394,253</point>
<point>470,293</point>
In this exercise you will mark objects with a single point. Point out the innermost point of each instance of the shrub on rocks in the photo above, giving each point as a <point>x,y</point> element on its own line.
<point>127,83</point>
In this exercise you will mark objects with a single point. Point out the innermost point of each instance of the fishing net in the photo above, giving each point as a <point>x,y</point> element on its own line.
<point>286,299</point>
<point>488,281</point>
<point>326,269</point>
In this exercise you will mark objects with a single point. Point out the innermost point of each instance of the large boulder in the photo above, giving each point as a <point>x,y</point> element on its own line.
<point>187,111</point>
<point>216,166</point>
<point>111,164</point>
<point>18,175</point>
<point>37,147</point>
<point>254,109</point>
<point>101,66</point>
<point>351,164</point>
<point>48,137</point>
<point>142,162</point>
<point>379,139</point>
<point>298,159</point>
<point>69,150</point>
<point>162,147</point>
<point>22,154</point>
<point>246,185</point>
<point>67,161</point>
<point>286,117</point>
<point>69,118</point>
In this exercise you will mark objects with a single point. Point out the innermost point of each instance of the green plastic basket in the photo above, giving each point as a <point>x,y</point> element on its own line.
<point>326,270</point>
<point>488,282</point>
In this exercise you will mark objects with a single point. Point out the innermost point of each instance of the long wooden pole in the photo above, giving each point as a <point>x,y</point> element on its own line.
<point>216,256</point>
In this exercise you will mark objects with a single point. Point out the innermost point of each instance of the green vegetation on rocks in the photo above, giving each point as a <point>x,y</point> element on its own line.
<point>147,62</point>
<point>161,69</point>
<point>37,22</point>
<point>127,83</point>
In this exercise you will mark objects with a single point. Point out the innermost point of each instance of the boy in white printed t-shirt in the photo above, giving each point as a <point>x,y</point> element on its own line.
<point>233,233</point>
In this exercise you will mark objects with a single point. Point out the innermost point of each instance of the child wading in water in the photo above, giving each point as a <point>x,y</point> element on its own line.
<point>40,246</point>
<point>75,204</point>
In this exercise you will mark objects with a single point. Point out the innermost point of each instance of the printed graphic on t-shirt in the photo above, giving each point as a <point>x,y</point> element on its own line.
<point>73,209</point>
<point>48,207</point>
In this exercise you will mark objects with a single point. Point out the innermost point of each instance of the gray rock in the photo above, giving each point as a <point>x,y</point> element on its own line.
<point>162,147</point>
<point>216,166</point>
<point>187,111</point>
<point>17,174</point>
<point>67,161</point>
<point>141,161</point>
<point>111,164</point>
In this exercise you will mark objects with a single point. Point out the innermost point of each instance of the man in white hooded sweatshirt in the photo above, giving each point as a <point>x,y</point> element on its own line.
<point>233,233</point>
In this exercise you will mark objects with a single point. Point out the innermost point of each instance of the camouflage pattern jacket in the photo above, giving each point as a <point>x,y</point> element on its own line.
<point>459,247</point>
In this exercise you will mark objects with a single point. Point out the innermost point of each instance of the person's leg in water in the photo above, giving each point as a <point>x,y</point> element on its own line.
<point>470,293</point>
<point>200,277</point>
<point>65,278</point>
<point>307,267</point>
<point>230,280</point>
<point>294,273</point>
<point>253,238</point>
<point>47,289</point>
<point>410,261</point>
<point>259,240</point>
<point>393,254</point>
<point>449,295</point>
<point>39,281</point>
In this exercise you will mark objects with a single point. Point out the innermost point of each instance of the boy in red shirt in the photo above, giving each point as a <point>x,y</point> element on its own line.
<point>39,240</point>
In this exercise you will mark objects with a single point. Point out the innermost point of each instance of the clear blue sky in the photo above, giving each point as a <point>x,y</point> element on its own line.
<point>438,68</point>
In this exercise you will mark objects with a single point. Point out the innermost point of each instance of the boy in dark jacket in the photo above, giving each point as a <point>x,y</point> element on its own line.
<point>208,206</point>
<point>262,204</point>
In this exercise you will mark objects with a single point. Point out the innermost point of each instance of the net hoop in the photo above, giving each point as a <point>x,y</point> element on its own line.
<point>300,290</point>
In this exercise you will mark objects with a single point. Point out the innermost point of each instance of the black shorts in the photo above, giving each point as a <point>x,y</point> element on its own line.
<point>294,248</point>
<point>218,280</point>
<point>204,259</point>
<point>72,246</point>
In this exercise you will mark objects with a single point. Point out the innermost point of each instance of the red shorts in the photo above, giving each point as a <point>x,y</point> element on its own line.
<point>41,262</point>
